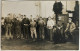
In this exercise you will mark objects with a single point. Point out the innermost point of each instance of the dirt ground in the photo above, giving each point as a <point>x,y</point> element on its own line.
<point>23,44</point>
<point>19,44</point>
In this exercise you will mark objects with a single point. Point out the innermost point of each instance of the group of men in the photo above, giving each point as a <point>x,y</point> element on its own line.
<point>24,28</point>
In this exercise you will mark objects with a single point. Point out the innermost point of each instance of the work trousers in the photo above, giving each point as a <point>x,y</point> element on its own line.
<point>33,32</point>
<point>41,32</point>
<point>8,31</point>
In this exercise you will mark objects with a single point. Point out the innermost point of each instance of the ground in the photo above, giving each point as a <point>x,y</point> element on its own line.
<point>40,45</point>
<point>23,44</point>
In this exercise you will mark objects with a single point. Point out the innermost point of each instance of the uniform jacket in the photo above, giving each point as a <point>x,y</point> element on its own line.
<point>72,27</point>
<point>50,24</point>
<point>41,23</point>
<point>25,21</point>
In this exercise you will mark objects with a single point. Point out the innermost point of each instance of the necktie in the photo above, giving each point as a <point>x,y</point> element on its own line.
<point>69,27</point>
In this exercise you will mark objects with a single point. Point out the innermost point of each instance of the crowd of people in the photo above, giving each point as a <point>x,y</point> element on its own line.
<point>36,28</point>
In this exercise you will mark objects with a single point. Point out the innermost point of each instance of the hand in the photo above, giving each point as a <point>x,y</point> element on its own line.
<point>65,31</point>
<point>72,30</point>
<point>58,27</point>
<point>47,26</point>
<point>26,24</point>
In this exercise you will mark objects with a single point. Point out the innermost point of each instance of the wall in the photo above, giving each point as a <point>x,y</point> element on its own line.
<point>28,8</point>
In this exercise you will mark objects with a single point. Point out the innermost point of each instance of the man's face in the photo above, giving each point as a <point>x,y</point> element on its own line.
<point>8,15</point>
<point>31,15</point>
<point>17,18</point>
<point>70,21</point>
<point>33,19</point>
<point>2,18</point>
<point>40,18</point>
<point>37,16</point>
<point>14,16</point>
<point>24,16</point>
<point>49,18</point>
<point>21,16</point>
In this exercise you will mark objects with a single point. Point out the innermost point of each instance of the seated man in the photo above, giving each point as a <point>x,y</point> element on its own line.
<point>70,29</point>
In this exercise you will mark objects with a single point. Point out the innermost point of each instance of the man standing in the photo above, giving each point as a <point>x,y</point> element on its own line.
<point>50,24</point>
<point>18,28</point>
<point>41,24</point>
<point>58,33</point>
<point>8,27</point>
<point>25,25</point>
<point>33,26</point>
<point>70,29</point>
<point>2,26</point>
<point>14,26</point>
<point>21,18</point>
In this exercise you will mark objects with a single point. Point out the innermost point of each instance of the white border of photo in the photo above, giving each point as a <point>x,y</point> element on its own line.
<point>36,0</point>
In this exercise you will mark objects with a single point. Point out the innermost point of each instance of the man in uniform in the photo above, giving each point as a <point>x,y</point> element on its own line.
<point>21,18</point>
<point>8,25</point>
<point>18,28</point>
<point>2,26</point>
<point>70,29</point>
<point>33,26</point>
<point>14,26</point>
<point>25,25</point>
<point>41,24</point>
<point>50,24</point>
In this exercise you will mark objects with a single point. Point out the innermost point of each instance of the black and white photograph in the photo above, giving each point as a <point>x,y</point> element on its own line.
<point>39,25</point>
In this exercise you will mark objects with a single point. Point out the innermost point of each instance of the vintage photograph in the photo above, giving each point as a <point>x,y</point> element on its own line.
<point>40,25</point>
